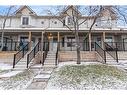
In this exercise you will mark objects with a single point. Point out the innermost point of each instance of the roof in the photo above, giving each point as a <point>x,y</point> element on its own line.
<point>69,7</point>
<point>22,7</point>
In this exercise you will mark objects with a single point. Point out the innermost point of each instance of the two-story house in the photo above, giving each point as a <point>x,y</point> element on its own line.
<point>26,25</point>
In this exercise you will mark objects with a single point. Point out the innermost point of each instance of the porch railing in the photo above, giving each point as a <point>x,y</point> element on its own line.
<point>112,51</point>
<point>100,51</point>
<point>20,54</point>
<point>12,46</point>
<point>32,54</point>
<point>71,46</point>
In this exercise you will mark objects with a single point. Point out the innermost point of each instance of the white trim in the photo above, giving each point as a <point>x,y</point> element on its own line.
<point>22,20</point>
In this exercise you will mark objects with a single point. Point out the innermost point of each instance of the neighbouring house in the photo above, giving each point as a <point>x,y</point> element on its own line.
<point>27,26</point>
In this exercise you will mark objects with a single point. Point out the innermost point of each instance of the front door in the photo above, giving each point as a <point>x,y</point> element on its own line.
<point>53,44</point>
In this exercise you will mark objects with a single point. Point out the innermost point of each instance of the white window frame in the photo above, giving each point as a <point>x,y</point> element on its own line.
<point>71,21</point>
<point>22,20</point>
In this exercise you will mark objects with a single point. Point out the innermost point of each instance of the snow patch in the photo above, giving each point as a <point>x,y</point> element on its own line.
<point>10,74</point>
<point>5,66</point>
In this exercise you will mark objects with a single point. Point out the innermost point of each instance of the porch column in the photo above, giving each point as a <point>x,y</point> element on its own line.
<point>29,39</point>
<point>89,41</point>
<point>103,40</point>
<point>58,39</point>
<point>42,41</point>
<point>58,36</point>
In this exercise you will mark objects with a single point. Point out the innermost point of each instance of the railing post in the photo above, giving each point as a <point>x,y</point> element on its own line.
<point>11,44</point>
<point>123,45</point>
<point>15,46</point>
<point>14,61</point>
<point>116,45</point>
<point>23,52</point>
<point>38,45</point>
<point>95,46</point>
<point>104,56</point>
<point>6,44</point>
<point>116,56</point>
<point>27,60</point>
<point>34,52</point>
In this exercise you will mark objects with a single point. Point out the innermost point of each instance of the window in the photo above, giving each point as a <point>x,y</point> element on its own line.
<point>71,41</point>
<point>42,22</point>
<point>25,20</point>
<point>63,42</point>
<point>64,22</point>
<point>70,21</point>
<point>55,22</point>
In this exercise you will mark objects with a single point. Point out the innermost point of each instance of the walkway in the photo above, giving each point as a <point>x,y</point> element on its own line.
<point>40,81</point>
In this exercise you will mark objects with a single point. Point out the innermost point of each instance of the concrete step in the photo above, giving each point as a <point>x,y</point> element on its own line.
<point>36,66</point>
<point>49,66</point>
<point>50,58</point>
<point>41,77</point>
<point>46,72</point>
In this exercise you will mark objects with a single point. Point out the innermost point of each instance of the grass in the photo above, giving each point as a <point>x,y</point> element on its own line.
<point>18,81</point>
<point>83,71</point>
<point>76,76</point>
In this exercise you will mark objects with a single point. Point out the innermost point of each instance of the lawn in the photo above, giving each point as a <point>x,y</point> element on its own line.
<point>20,81</point>
<point>88,77</point>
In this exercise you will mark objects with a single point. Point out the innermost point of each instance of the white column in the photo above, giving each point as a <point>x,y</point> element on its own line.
<point>29,39</point>
<point>42,41</point>
<point>90,41</point>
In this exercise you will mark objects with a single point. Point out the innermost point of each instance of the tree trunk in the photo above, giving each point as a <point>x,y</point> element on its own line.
<point>77,38</point>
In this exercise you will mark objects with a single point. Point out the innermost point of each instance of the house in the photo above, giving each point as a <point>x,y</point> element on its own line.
<point>27,26</point>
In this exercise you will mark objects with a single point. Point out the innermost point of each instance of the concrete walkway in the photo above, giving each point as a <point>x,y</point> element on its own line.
<point>40,81</point>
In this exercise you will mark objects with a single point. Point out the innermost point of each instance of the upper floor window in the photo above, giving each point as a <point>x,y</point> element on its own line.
<point>55,22</point>
<point>70,21</point>
<point>64,22</point>
<point>25,20</point>
<point>42,22</point>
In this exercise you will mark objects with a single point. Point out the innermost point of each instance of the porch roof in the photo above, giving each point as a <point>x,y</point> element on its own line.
<point>111,30</point>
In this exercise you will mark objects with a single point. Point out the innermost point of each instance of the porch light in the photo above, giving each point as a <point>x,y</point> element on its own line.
<point>50,36</point>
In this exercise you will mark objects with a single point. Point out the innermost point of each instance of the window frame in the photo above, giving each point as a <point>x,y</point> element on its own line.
<point>25,22</point>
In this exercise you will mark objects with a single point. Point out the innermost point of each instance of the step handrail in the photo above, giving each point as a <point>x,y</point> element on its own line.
<point>32,53</point>
<point>100,51</point>
<point>45,51</point>
<point>57,53</point>
<point>20,54</point>
<point>113,53</point>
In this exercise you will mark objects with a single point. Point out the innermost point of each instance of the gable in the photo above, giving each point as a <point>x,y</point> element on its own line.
<point>108,12</point>
<point>68,11</point>
<point>25,10</point>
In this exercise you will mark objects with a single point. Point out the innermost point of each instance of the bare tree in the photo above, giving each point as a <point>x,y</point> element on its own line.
<point>94,13</point>
<point>5,17</point>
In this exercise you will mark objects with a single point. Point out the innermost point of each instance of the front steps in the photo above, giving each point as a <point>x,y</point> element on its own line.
<point>40,81</point>
<point>21,65</point>
<point>50,60</point>
<point>110,59</point>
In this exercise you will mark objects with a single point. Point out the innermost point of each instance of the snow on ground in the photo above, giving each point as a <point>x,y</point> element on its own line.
<point>10,74</point>
<point>60,81</point>
<point>74,63</point>
<point>19,81</point>
<point>4,66</point>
